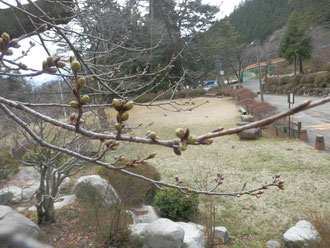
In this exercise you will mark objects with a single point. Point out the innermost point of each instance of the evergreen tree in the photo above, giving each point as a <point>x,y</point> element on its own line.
<point>295,44</point>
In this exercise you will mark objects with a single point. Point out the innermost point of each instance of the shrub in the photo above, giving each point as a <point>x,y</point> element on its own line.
<point>246,103</point>
<point>307,79</point>
<point>8,165</point>
<point>132,191</point>
<point>243,93</point>
<point>261,110</point>
<point>174,205</point>
<point>148,97</point>
<point>228,91</point>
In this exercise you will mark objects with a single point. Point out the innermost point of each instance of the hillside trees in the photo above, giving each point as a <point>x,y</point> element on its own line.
<point>222,40</point>
<point>295,44</point>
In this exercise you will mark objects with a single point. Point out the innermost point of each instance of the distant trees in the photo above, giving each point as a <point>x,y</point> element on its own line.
<point>295,44</point>
<point>222,41</point>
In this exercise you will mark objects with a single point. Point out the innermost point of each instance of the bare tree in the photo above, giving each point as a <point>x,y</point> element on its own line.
<point>54,166</point>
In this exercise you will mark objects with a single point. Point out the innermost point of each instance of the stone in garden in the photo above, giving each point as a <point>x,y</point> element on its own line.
<point>145,214</point>
<point>12,220</point>
<point>94,188</point>
<point>247,118</point>
<point>273,244</point>
<point>303,234</point>
<point>137,235</point>
<point>162,233</point>
<point>60,202</point>
<point>250,134</point>
<point>242,123</point>
<point>193,236</point>
<point>221,233</point>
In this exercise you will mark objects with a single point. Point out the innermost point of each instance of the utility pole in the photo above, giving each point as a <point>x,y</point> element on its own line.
<point>151,13</point>
<point>218,62</point>
<point>260,80</point>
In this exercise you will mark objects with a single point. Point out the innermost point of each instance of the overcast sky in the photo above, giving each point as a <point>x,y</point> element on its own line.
<point>38,55</point>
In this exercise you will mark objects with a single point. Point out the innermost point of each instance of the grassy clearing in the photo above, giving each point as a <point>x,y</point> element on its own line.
<point>251,221</point>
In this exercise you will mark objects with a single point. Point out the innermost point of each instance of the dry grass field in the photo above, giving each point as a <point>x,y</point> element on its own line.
<point>250,221</point>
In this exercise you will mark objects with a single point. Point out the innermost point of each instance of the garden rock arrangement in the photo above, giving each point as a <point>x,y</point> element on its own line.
<point>303,234</point>
<point>148,230</point>
<point>250,134</point>
<point>21,187</point>
<point>95,188</point>
<point>17,223</point>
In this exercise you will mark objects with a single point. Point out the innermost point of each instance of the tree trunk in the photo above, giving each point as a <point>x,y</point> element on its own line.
<point>45,208</point>
<point>301,69</point>
<point>295,64</point>
<point>9,17</point>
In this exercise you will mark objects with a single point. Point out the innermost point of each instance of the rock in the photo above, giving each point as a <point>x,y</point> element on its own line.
<point>22,187</point>
<point>60,202</point>
<point>17,194</point>
<point>144,214</point>
<point>273,244</point>
<point>221,233</point>
<point>253,133</point>
<point>137,235</point>
<point>247,118</point>
<point>20,209</point>
<point>6,197</point>
<point>301,235</point>
<point>242,123</point>
<point>95,188</point>
<point>193,236</point>
<point>12,220</point>
<point>161,233</point>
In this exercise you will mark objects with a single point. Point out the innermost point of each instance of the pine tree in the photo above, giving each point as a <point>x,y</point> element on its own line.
<point>295,44</point>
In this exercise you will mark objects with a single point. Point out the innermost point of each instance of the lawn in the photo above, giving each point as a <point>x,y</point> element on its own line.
<point>250,221</point>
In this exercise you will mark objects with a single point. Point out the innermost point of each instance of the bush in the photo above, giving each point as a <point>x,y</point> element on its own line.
<point>174,205</point>
<point>228,91</point>
<point>132,191</point>
<point>244,93</point>
<point>261,110</point>
<point>246,103</point>
<point>148,97</point>
<point>8,165</point>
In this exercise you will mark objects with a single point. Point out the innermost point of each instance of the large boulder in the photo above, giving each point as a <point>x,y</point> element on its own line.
<point>193,236</point>
<point>11,220</point>
<point>137,235</point>
<point>303,234</point>
<point>94,188</point>
<point>162,233</point>
<point>250,134</point>
<point>14,195</point>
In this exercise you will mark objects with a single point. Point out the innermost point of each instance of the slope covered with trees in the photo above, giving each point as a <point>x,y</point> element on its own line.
<point>257,19</point>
